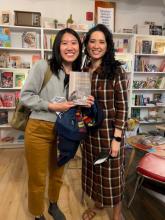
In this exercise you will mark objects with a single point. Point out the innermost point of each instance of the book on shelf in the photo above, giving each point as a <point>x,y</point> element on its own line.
<point>145,65</point>
<point>29,40</point>
<point>14,61</point>
<point>45,42</point>
<point>4,59</point>
<point>136,64</point>
<point>160,84</point>
<point>49,41</point>
<point>6,136</point>
<point>138,46</point>
<point>150,83</point>
<point>79,87</point>
<point>11,136</point>
<point>121,45</point>
<point>139,100</point>
<point>159,46</point>
<point>5,37</point>
<point>138,84</point>
<point>17,97</point>
<point>3,117</point>
<point>157,97</point>
<point>162,66</point>
<point>6,79</point>
<point>35,58</point>
<point>146,46</point>
<point>19,79</point>
<point>52,38</point>
<point>7,99</point>
<point>5,17</point>
<point>126,63</point>
<point>135,113</point>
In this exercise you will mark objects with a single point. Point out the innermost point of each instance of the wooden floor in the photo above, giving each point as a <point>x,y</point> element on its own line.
<point>13,193</point>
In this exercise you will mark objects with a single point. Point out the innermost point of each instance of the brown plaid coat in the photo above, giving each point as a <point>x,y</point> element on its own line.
<point>104,183</point>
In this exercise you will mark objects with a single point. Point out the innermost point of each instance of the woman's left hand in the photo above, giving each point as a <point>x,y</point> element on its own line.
<point>115,147</point>
<point>90,101</point>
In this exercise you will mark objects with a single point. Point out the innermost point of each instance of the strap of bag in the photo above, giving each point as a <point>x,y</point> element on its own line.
<point>47,77</point>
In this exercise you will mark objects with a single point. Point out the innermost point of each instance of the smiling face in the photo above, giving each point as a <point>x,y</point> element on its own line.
<point>69,48</point>
<point>97,46</point>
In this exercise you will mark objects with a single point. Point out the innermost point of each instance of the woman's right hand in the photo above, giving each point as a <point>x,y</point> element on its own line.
<point>60,107</point>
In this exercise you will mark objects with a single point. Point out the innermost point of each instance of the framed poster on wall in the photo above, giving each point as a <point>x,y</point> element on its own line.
<point>105,14</point>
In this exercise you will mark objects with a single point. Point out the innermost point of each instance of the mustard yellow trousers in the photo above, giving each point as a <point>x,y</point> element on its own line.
<point>41,156</point>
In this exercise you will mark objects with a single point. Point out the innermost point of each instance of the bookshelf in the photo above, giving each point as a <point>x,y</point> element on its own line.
<point>18,47</point>
<point>148,87</point>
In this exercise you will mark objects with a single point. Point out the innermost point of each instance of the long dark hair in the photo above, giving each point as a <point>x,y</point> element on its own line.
<point>56,60</point>
<point>109,64</point>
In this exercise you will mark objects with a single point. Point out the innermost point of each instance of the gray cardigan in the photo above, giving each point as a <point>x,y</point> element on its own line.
<point>38,103</point>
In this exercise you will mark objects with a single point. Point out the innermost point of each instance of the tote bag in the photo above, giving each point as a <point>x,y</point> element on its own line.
<point>22,113</point>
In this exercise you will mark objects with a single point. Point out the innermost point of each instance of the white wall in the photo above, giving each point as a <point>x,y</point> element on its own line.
<point>128,12</point>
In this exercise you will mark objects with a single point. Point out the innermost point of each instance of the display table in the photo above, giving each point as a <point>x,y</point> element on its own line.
<point>134,142</point>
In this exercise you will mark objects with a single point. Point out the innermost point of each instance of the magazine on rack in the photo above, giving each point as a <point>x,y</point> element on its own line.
<point>79,87</point>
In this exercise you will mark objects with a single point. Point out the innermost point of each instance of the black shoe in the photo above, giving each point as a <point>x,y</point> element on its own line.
<point>55,212</point>
<point>40,218</point>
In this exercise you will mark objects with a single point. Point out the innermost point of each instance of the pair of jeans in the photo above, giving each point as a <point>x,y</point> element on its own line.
<point>41,157</point>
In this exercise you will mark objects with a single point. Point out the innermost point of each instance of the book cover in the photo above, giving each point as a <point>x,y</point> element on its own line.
<point>138,46</point>
<point>35,58</point>
<point>7,136</point>
<point>19,79</point>
<point>5,37</point>
<point>162,66</point>
<point>7,99</point>
<point>79,87</point>
<point>4,59</point>
<point>5,17</point>
<point>45,42</point>
<point>3,117</point>
<point>17,97</point>
<point>52,38</point>
<point>11,135</point>
<point>6,80</point>
<point>14,61</point>
<point>146,46</point>
<point>135,113</point>
<point>29,40</point>
<point>160,47</point>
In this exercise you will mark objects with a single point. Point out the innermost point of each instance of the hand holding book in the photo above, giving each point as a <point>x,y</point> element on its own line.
<point>80,88</point>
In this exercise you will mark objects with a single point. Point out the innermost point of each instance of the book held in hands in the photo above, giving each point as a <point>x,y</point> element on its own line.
<point>79,87</point>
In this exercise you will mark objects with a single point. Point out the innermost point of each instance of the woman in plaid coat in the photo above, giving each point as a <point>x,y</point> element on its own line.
<point>105,183</point>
